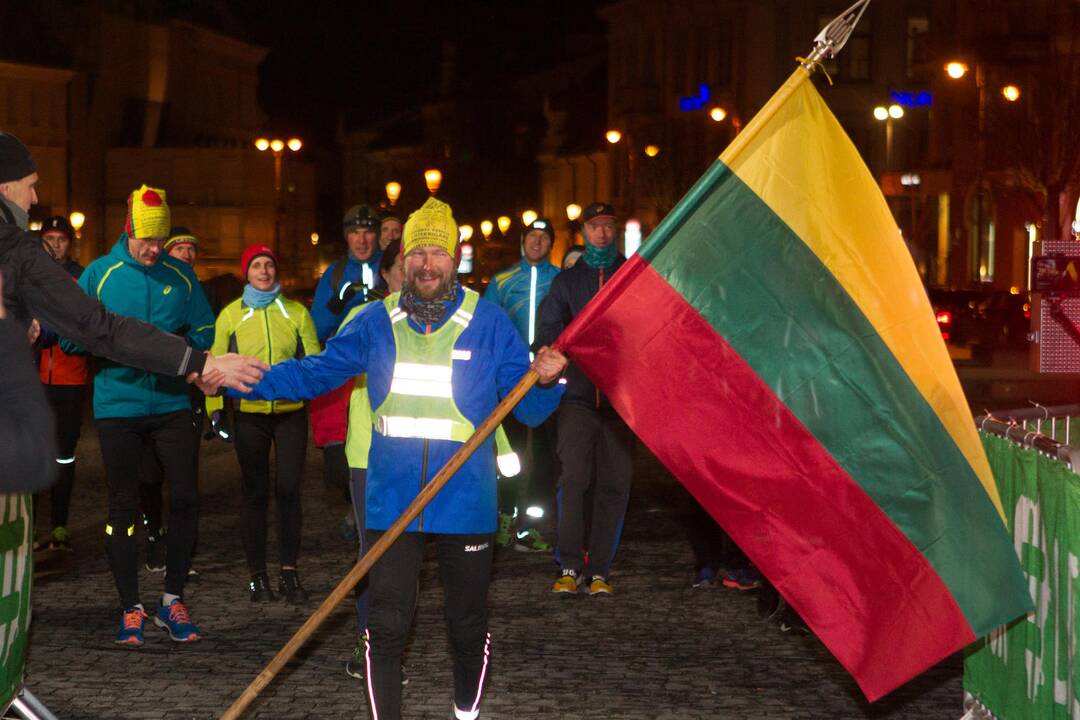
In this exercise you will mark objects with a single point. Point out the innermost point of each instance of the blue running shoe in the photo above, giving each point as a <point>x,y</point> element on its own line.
<point>743,579</point>
<point>176,620</point>
<point>131,627</point>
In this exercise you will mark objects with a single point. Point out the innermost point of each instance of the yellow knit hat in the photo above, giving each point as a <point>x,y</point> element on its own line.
<point>148,214</point>
<point>432,225</point>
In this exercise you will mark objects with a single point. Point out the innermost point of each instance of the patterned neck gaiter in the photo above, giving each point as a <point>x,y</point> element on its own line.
<point>428,312</point>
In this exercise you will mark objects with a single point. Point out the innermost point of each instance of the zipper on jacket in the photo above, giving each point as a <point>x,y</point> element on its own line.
<point>600,285</point>
<point>423,480</point>
<point>269,346</point>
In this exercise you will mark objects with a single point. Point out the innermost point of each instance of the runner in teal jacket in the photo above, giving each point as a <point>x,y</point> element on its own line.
<point>167,295</point>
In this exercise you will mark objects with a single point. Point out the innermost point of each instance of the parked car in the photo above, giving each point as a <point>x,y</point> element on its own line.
<point>976,323</point>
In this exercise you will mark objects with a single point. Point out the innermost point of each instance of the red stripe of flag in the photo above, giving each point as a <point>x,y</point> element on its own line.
<point>828,548</point>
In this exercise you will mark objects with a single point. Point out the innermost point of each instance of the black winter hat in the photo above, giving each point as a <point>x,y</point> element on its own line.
<point>15,160</point>
<point>58,223</point>
<point>543,225</point>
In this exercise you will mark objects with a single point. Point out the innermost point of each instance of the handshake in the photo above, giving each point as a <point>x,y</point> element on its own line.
<point>238,372</point>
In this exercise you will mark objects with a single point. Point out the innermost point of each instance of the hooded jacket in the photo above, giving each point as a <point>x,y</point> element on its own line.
<point>167,295</point>
<point>35,286</point>
<point>326,320</point>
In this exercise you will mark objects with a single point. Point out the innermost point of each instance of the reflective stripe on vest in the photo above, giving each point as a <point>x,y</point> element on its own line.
<point>420,403</point>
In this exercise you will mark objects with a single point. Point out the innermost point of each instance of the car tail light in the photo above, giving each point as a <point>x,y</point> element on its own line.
<point>944,318</point>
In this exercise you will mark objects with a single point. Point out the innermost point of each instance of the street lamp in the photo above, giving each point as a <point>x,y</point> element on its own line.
<point>466,232</point>
<point>652,150</point>
<point>503,221</point>
<point>485,229</point>
<point>887,115</point>
<point>77,220</point>
<point>1011,93</point>
<point>528,216</point>
<point>573,212</point>
<point>718,114</point>
<point>613,136</point>
<point>393,192</point>
<point>433,179</point>
<point>314,238</point>
<point>277,147</point>
<point>956,69</point>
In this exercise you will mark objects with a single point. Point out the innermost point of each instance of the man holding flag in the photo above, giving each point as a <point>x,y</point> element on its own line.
<point>438,359</point>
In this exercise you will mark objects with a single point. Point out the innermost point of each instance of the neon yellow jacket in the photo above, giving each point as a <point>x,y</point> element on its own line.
<point>281,330</point>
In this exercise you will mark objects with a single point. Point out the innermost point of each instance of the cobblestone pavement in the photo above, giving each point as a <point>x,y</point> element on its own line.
<point>656,649</point>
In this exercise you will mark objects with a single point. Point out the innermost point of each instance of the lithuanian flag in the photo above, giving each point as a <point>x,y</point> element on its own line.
<point>773,345</point>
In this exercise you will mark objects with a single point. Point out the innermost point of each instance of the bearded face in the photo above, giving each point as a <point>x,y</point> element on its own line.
<point>429,272</point>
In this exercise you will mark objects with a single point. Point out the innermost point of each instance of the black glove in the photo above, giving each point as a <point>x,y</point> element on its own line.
<point>337,303</point>
<point>217,428</point>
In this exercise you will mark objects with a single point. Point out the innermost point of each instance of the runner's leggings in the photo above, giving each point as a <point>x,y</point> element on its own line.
<point>465,570</point>
<point>176,444</point>
<point>255,433</point>
<point>67,406</point>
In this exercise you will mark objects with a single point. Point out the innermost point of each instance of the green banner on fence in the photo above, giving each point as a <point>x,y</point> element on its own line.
<point>1027,669</point>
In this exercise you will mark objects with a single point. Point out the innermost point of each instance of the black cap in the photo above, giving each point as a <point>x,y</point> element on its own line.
<point>597,209</point>
<point>15,160</point>
<point>57,223</point>
<point>542,224</point>
<point>360,216</point>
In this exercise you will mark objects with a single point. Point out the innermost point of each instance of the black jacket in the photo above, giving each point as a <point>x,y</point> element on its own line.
<point>27,437</point>
<point>36,286</point>
<point>570,291</point>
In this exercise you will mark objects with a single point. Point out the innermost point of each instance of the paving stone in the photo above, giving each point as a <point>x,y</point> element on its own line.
<point>656,649</point>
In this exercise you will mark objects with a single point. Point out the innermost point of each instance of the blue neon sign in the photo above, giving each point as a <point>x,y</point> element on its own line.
<point>911,99</point>
<point>696,102</point>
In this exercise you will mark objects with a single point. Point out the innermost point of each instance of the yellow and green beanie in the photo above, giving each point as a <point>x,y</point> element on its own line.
<point>431,226</point>
<point>148,214</point>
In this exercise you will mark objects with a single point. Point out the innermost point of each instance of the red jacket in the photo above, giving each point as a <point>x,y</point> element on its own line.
<point>330,415</point>
<point>56,366</point>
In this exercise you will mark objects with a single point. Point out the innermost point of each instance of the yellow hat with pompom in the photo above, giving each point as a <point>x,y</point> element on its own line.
<point>148,214</point>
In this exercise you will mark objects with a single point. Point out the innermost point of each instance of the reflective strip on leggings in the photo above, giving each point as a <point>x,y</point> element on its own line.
<point>109,530</point>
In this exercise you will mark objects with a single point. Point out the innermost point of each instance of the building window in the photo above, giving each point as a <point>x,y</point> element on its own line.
<point>918,29</point>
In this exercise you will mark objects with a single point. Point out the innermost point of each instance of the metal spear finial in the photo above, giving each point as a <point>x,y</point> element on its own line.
<point>835,35</point>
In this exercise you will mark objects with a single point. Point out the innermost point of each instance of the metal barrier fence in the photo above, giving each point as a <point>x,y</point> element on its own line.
<point>1030,668</point>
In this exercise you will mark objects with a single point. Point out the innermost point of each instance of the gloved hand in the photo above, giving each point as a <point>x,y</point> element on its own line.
<point>338,303</point>
<point>217,428</point>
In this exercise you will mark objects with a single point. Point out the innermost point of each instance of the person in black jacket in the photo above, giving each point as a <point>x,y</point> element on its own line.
<point>590,432</point>
<point>36,287</point>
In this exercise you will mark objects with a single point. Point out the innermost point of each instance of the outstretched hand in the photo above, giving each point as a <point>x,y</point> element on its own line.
<point>549,364</point>
<point>238,372</point>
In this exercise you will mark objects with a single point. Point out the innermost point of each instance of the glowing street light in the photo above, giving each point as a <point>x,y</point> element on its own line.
<point>393,191</point>
<point>613,136</point>
<point>314,238</point>
<point>881,113</point>
<point>466,232</point>
<point>573,212</point>
<point>896,112</point>
<point>528,216</point>
<point>956,69</point>
<point>485,228</point>
<point>1011,93</point>
<point>295,144</point>
<point>277,145</point>
<point>262,144</point>
<point>718,114</point>
<point>652,150</point>
<point>77,220</point>
<point>433,179</point>
<point>503,221</point>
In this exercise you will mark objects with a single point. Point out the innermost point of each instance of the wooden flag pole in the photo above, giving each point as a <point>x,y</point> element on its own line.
<point>376,551</point>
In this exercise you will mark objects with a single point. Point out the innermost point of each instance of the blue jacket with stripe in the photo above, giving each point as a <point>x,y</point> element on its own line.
<point>326,320</point>
<point>167,295</point>
<point>514,291</point>
<point>490,361</point>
